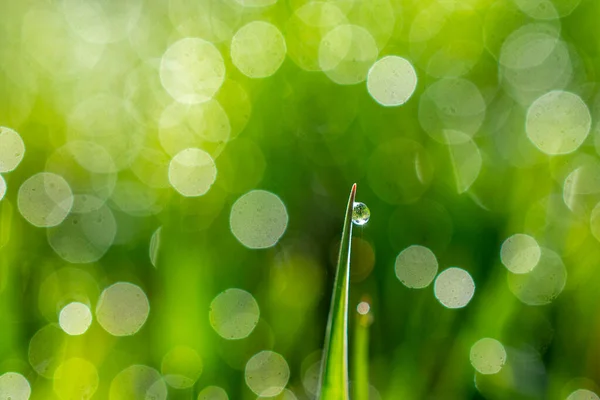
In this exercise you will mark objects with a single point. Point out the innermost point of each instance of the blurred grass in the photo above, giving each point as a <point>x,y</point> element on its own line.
<point>306,139</point>
<point>333,382</point>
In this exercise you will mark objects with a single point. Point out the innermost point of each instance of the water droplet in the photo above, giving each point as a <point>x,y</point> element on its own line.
<point>360,213</point>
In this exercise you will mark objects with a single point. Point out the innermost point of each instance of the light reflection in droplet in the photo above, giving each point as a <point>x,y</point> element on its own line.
<point>360,213</point>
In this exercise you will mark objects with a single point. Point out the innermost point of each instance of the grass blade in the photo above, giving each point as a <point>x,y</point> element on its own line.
<point>360,350</point>
<point>333,382</point>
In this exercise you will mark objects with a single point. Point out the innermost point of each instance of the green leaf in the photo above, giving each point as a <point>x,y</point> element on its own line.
<point>333,382</point>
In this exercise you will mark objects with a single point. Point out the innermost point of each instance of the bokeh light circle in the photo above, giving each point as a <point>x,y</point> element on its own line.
<point>75,318</point>
<point>363,308</point>
<point>2,187</point>
<point>267,373</point>
<point>258,219</point>
<point>88,168</point>
<point>65,286</point>
<point>234,314</point>
<point>205,126</point>
<point>256,3</point>
<point>558,122</point>
<point>258,49</point>
<point>45,199</point>
<point>12,149</point>
<point>14,386</point>
<point>181,367</point>
<point>581,188</point>
<point>520,253</point>
<point>105,22</point>
<point>454,287</point>
<point>543,284</point>
<point>122,309</point>
<point>595,222</point>
<point>47,350</point>
<point>547,10</point>
<point>86,236</point>
<point>307,27</point>
<point>583,394</point>
<point>76,378</point>
<point>346,53</point>
<point>192,70</point>
<point>192,172</point>
<point>110,122</point>
<point>286,394</point>
<point>391,81</point>
<point>452,105</point>
<point>138,382</point>
<point>416,266</point>
<point>487,356</point>
<point>213,393</point>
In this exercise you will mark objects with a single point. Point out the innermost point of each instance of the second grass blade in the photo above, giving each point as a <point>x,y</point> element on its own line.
<point>333,382</point>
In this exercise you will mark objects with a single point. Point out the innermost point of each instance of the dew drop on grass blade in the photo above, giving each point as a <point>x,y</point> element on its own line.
<point>333,382</point>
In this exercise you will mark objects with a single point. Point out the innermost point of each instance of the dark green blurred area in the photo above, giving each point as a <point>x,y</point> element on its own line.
<point>305,138</point>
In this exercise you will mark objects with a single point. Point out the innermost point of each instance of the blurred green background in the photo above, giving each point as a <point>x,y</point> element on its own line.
<point>174,175</point>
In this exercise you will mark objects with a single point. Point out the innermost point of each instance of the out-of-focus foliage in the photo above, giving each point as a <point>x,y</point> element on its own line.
<point>173,176</point>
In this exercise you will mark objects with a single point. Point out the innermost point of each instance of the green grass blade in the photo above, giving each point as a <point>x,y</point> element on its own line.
<point>333,382</point>
<point>360,355</point>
